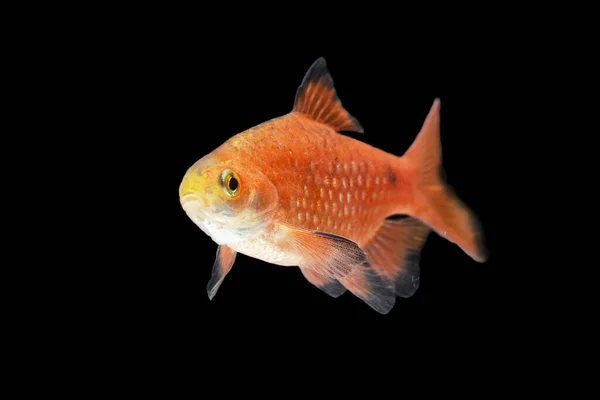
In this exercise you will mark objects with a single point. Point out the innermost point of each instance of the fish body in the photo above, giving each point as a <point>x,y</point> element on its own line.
<point>293,191</point>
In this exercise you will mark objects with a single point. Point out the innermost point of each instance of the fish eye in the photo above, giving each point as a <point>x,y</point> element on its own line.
<point>230,183</point>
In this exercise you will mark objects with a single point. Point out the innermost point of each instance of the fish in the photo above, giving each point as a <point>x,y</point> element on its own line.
<point>295,191</point>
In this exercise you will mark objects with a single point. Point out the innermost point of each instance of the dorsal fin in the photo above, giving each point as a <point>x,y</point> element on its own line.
<point>317,99</point>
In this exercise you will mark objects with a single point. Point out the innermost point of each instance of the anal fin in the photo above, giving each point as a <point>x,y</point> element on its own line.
<point>223,263</point>
<point>394,252</point>
<point>329,285</point>
<point>366,284</point>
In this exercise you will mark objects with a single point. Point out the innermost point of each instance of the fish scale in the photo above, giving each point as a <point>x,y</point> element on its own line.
<point>326,182</point>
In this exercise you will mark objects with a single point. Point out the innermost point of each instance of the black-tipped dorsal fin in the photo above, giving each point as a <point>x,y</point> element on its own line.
<point>317,99</point>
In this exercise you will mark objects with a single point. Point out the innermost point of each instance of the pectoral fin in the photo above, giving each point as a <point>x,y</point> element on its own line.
<point>223,263</point>
<point>329,255</point>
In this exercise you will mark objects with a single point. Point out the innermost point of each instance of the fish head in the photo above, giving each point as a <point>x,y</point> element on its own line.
<point>230,200</point>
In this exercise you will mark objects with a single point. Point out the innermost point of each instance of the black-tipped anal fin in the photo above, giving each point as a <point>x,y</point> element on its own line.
<point>395,250</point>
<point>328,285</point>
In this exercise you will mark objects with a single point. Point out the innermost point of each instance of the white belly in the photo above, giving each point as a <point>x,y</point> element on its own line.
<point>245,240</point>
<point>258,247</point>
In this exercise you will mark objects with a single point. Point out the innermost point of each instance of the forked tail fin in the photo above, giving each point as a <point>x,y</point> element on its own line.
<point>435,202</point>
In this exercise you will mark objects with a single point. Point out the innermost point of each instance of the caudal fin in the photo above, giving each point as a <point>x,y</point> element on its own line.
<point>435,202</point>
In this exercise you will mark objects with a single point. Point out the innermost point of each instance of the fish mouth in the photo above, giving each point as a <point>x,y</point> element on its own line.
<point>189,198</point>
<point>199,210</point>
<point>190,188</point>
<point>193,205</point>
<point>191,184</point>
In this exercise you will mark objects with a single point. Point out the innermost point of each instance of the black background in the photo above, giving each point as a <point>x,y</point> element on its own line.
<point>180,97</point>
<point>202,107</point>
<point>137,95</point>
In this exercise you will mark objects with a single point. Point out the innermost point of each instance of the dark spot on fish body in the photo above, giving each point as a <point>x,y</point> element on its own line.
<point>392,176</point>
<point>335,163</point>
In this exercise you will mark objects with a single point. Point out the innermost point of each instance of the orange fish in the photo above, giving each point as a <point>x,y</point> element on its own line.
<point>293,191</point>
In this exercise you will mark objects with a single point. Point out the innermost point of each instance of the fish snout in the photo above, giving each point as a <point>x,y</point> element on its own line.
<point>198,185</point>
<point>192,185</point>
<point>199,178</point>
